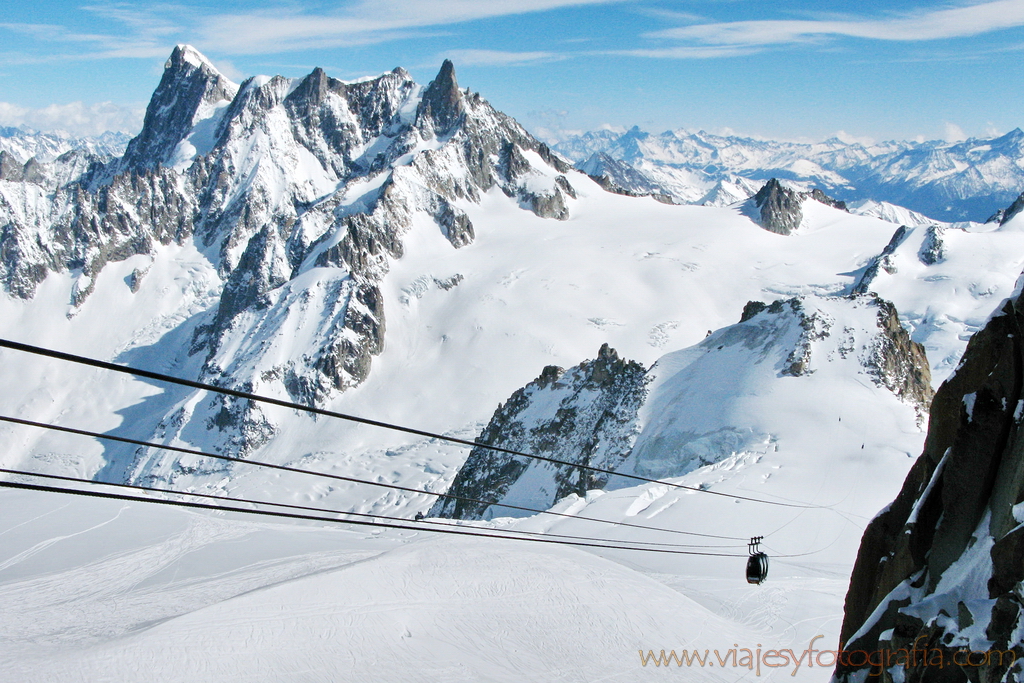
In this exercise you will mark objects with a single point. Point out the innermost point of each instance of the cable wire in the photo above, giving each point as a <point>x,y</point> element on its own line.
<point>82,360</point>
<point>339,477</point>
<point>333,520</point>
<point>341,512</point>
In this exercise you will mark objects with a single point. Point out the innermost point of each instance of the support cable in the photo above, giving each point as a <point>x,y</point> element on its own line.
<point>72,358</point>
<point>306,508</point>
<point>339,477</point>
<point>332,520</point>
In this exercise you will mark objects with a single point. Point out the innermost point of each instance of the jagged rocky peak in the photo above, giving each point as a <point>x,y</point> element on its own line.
<point>442,105</point>
<point>190,82</point>
<point>942,567</point>
<point>781,206</point>
<point>593,422</point>
<point>483,147</point>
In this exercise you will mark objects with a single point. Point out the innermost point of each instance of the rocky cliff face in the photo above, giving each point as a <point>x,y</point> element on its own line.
<point>299,191</point>
<point>585,415</point>
<point>941,567</point>
<point>780,207</point>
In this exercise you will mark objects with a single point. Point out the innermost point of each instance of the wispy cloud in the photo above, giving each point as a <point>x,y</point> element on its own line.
<point>143,36</point>
<point>500,58</point>
<point>362,22</point>
<point>687,52</point>
<point>277,28</point>
<point>956,22</point>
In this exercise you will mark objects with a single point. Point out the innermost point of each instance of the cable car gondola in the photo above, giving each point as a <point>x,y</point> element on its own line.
<point>757,563</point>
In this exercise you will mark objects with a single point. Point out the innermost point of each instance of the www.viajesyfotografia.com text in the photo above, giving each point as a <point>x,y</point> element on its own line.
<point>761,660</point>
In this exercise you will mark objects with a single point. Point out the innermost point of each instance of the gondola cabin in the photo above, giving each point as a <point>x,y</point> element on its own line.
<point>757,563</point>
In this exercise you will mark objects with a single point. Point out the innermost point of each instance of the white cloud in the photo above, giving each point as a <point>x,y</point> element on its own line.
<point>499,58</point>
<point>955,22</point>
<point>152,31</point>
<point>952,132</point>
<point>686,52</point>
<point>364,22</point>
<point>853,139</point>
<point>229,70</point>
<point>75,118</point>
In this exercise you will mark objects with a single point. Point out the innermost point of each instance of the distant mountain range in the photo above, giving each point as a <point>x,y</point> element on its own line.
<point>945,181</point>
<point>948,181</point>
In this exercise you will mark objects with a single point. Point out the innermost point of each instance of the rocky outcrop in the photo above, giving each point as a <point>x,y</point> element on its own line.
<point>585,415</point>
<point>780,207</point>
<point>883,261</point>
<point>890,357</point>
<point>941,567</point>
<point>897,362</point>
<point>933,250</point>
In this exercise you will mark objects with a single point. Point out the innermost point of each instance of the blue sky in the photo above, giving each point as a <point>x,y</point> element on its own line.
<point>783,69</point>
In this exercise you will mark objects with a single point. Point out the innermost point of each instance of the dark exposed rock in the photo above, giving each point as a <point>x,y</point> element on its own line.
<point>750,309</point>
<point>450,283</point>
<point>513,165</point>
<point>442,104</point>
<point>456,226</point>
<point>932,248</point>
<point>897,362</point>
<point>780,208</point>
<point>134,279</point>
<point>549,205</point>
<point>594,425</point>
<point>883,261</point>
<point>960,492</point>
<point>34,172</point>
<point>10,168</point>
<point>562,183</point>
<point>819,196</point>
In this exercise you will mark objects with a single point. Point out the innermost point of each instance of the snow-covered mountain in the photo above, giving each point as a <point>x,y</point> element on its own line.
<point>297,193</point>
<point>949,181</point>
<point>694,408</point>
<point>409,254</point>
<point>22,144</point>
